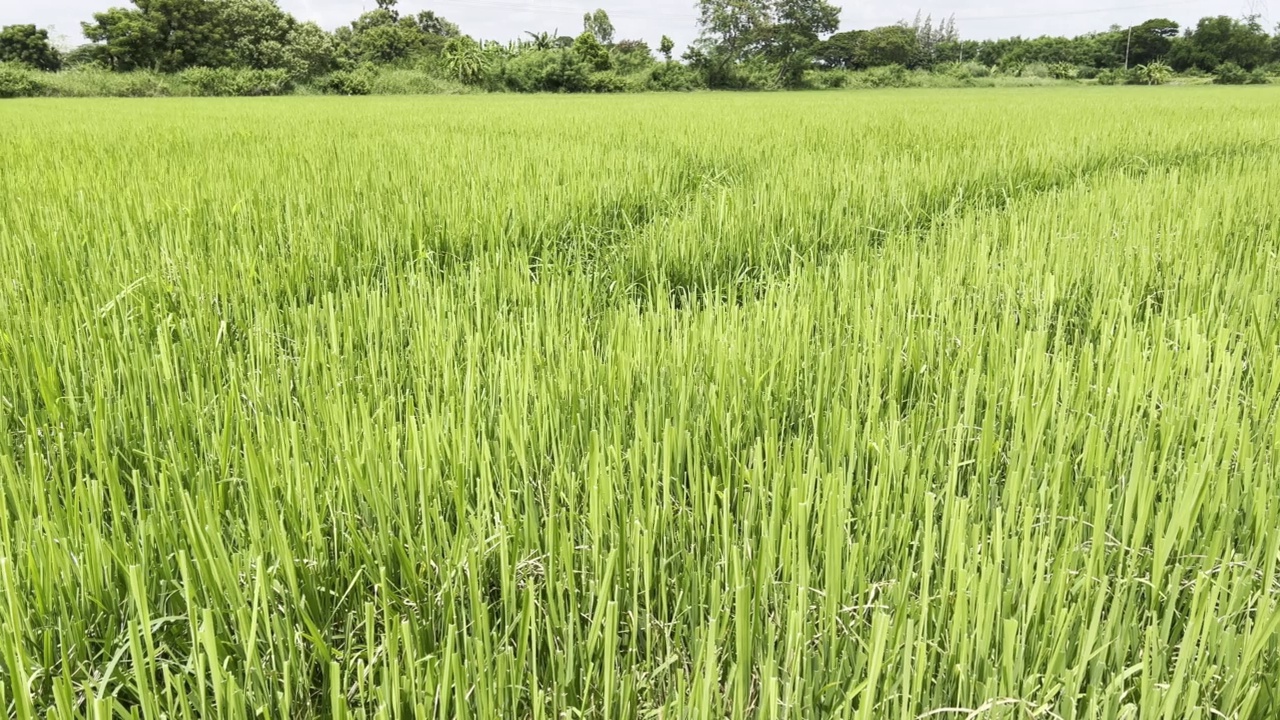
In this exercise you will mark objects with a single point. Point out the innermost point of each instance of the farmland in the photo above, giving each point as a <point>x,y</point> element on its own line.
<point>866,405</point>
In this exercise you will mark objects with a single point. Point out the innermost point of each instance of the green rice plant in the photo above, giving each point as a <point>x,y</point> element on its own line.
<point>875,405</point>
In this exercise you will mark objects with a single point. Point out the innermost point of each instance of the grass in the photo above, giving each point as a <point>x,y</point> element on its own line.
<point>867,405</point>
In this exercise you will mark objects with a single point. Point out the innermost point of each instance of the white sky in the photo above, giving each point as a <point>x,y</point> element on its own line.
<point>650,19</point>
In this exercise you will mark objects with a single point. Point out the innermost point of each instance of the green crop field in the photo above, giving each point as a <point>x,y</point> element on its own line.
<point>913,404</point>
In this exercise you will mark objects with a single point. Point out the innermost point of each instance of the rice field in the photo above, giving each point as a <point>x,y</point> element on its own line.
<point>906,404</point>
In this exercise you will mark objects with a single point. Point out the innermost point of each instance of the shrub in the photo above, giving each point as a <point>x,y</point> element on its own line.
<point>91,81</point>
<point>1087,72</point>
<point>825,79</point>
<point>401,81</point>
<point>965,70</point>
<point>528,71</point>
<point>1064,71</point>
<point>1229,73</point>
<point>888,76</point>
<point>233,82</point>
<point>17,81</point>
<point>1111,77</point>
<point>1037,69</point>
<point>673,77</point>
<point>347,82</point>
<point>606,82</point>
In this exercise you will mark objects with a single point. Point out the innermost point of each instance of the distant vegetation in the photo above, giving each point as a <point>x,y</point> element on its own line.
<point>253,47</point>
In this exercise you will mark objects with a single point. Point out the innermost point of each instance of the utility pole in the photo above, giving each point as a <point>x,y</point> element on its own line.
<point>1128,45</point>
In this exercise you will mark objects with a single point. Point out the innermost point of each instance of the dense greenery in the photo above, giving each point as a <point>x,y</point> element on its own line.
<point>745,44</point>
<point>901,406</point>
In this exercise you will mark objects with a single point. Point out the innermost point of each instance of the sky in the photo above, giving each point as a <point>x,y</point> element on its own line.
<point>651,19</point>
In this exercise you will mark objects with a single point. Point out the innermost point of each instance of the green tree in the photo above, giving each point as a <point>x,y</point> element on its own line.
<point>730,28</point>
<point>310,51</point>
<point>791,39</point>
<point>430,23</point>
<point>28,45</point>
<point>588,50</point>
<point>1149,41</point>
<point>598,24</point>
<point>858,49</point>
<point>163,35</point>
<point>785,33</point>
<point>631,56</point>
<point>1222,39</point>
<point>383,44</point>
<point>258,33</point>
<point>666,47</point>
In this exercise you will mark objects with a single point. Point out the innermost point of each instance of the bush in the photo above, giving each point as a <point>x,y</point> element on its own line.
<point>1036,69</point>
<point>607,82</point>
<point>1229,73</point>
<point>233,82</point>
<point>347,82</point>
<point>92,81</point>
<point>401,81</point>
<point>673,77</point>
<point>965,70</point>
<point>1087,72</point>
<point>825,79</point>
<point>888,76</point>
<point>1111,77</point>
<point>1064,71</point>
<point>17,81</point>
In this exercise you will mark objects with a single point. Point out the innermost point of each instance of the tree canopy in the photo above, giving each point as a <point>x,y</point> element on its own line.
<point>28,45</point>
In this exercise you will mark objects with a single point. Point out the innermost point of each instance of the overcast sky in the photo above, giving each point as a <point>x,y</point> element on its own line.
<point>650,19</point>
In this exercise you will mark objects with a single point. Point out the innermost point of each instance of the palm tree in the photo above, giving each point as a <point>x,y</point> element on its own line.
<point>542,40</point>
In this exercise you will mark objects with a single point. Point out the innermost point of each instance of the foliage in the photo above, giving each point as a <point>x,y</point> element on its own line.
<point>591,53</point>
<point>672,77</point>
<point>964,70</point>
<point>599,26</point>
<point>163,35</point>
<point>309,52</point>
<point>465,60</point>
<point>1232,74</point>
<point>631,56</point>
<point>1222,39</point>
<point>882,46</point>
<point>258,32</point>
<point>744,44</point>
<point>1110,77</point>
<point>1153,73</point>
<point>347,82</point>
<point>28,45</point>
<point>1149,41</point>
<point>666,47</point>
<point>241,82</point>
<point>1063,71</point>
<point>885,76</point>
<point>783,33</point>
<point>18,81</point>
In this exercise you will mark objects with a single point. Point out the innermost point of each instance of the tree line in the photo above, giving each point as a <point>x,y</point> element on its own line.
<point>235,46</point>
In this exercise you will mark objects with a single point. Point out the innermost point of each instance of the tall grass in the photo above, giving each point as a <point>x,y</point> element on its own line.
<point>940,404</point>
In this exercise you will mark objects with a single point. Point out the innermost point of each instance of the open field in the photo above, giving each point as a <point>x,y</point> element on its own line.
<point>866,405</point>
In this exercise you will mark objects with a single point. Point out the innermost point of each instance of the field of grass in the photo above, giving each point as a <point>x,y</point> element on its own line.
<point>946,404</point>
